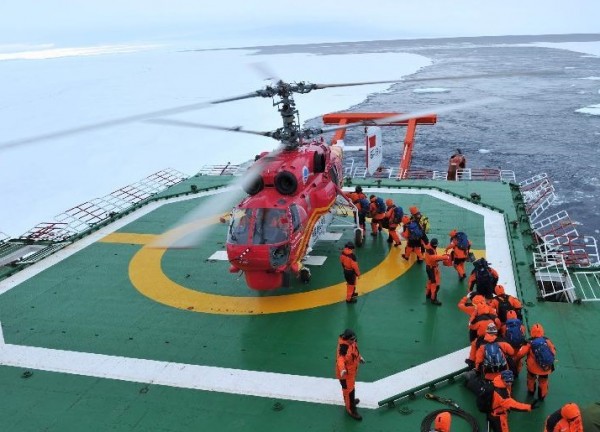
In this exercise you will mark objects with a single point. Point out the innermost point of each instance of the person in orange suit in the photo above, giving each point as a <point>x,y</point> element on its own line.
<point>377,216</point>
<point>459,255</point>
<point>392,222</point>
<point>432,260</point>
<point>490,337</point>
<point>481,317</point>
<point>414,240</point>
<point>537,373</point>
<point>565,419</point>
<point>515,362</point>
<point>502,402</point>
<point>356,197</point>
<point>347,359</point>
<point>351,271</point>
<point>503,303</point>
<point>422,220</point>
<point>442,422</point>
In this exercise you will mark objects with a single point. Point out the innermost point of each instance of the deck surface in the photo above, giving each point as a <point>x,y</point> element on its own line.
<point>120,336</point>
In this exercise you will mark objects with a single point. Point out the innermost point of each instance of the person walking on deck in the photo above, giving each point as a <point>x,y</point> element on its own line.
<point>483,278</point>
<point>502,402</point>
<point>351,271</point>
<point>491,354</point>
<point>503,303</point>
<point>394,215</point>
<point>459,249</point>
<point>347,359</point>
<point>540,352</point>
<point>432,260</point>
<point>422,220</point>
<point>377,211</point>
<point>414,235</point>
<point>565,419</point>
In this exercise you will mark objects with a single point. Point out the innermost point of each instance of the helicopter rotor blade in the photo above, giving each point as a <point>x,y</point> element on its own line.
<point>182,123</point>
<point>407,116</point>
<point>439,78</point>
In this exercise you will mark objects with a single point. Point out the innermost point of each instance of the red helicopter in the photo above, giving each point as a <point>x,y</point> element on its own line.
<point>292,190</point>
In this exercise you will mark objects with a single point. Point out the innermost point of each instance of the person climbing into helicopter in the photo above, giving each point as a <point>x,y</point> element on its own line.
<point>351,271</point>
<point>432,259</point>
<point>457,161</point>
<point>394,216</point>
<point>413,233</point>
<point>346,367</point>
<point>359,199</point>
<point>459,247</point>
<point>377,211</point>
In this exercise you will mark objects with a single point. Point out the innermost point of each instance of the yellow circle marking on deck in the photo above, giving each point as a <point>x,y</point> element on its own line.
<point>148,278</point>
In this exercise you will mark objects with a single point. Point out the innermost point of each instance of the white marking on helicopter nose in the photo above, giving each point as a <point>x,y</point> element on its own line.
<point>330,236</point>
<point>314,260</point>
<point>219,255</point>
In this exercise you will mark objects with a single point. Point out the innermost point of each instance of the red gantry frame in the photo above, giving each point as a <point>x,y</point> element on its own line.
<point>411,124</point>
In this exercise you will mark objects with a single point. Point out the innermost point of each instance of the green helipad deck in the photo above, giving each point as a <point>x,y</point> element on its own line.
<point>111,334</point>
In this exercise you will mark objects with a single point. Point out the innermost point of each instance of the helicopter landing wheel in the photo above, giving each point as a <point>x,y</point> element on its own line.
<point>304,275</point>
<point>358,237</point>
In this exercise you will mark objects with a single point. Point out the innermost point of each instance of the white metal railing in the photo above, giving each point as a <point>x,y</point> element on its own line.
<point>588,283</point>
<point>83,216</point>
<point>553,277</point>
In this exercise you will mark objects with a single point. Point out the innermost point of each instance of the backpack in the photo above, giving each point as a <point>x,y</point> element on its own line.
<point>503,307</point>
<point>493,360</point>
<point>381,208</point>
<point>542,353</point>
<point>415,233</point>
<point>462,241</point>
<point>483,279</point>
<point>513,335</point>
<point>483,391</point>
<point>398,215</point>
<point>364,206</point>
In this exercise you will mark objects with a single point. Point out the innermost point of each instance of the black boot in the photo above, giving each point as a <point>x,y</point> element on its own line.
<point>353,402</point>
<point>436,302</point>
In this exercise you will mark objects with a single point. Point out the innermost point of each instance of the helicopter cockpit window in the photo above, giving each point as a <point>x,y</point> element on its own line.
<point>295,217</point>
<point>271,226</point>
<point>239,226</point>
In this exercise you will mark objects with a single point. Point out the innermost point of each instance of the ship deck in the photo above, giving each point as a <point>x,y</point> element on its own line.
<point>112,334</point>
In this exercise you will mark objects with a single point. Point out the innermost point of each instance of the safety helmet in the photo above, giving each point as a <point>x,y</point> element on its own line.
<point>414,210</point>
<point>491,329</point>
<point>433,242</point>
<point>499,290</point>
<point>452,233</point>
<point>536,330</point>
<point>507,376</point>
<point>349,245</point>
<point>348,334</point>
<point>358,189</point>
<point>481,262</point>
<point>442,422</point>
<point>389,202</point>
<point>511,314</point>
<point>570,411</point>
<point>405,219</point>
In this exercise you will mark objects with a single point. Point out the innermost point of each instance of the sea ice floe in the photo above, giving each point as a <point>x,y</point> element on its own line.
<point>431,90</point>
<point>590,109</point>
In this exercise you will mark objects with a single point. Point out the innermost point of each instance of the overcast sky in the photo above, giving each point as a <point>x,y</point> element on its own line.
<point>242,22</point>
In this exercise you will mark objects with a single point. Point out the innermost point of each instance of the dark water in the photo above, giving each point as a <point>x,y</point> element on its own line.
<point>535,129</point>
